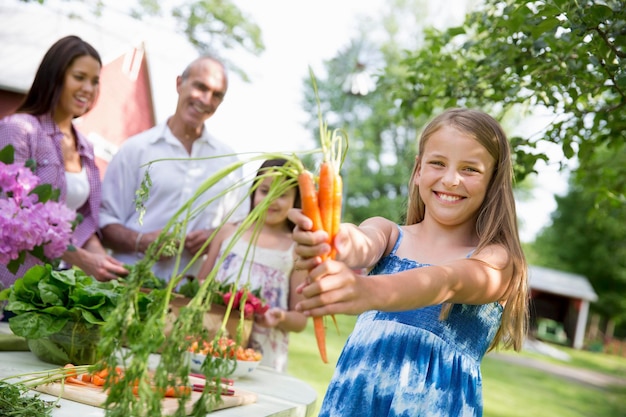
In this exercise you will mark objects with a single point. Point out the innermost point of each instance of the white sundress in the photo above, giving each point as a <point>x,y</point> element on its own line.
<point>269,270</point>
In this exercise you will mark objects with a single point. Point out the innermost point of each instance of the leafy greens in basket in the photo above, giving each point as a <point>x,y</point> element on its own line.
<point>45,300</point>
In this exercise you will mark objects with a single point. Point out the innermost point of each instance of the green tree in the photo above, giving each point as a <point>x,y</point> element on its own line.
<point>512,56</point>
<point>382,133</point>
<point>566,58</point>
<point>587,236</point>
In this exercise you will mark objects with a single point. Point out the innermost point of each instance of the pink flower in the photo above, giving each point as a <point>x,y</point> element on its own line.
<point>25,222</point>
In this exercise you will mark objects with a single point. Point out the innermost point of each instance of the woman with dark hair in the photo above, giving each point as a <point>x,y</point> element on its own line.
<point>66,86</point>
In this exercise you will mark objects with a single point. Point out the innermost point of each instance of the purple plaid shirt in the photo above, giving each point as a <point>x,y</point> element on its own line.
<point>39,138</point>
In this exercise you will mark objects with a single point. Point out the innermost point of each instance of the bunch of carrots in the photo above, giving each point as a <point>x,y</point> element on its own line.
<point>322,202</point>
<point>97,380</point>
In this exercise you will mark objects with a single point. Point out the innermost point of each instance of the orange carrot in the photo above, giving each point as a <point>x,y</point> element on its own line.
<point>103,373</point>
<point>97,380</point>
<point>320,336</point>
<point>325,196</point>
<point>336,212</point>
<point>178,391</point>
<point>326,200</point>
<point>336,215</point>
<point>76,381</point>
<point>308,195</point>
<point>70,370</point>
<point>311,209</point>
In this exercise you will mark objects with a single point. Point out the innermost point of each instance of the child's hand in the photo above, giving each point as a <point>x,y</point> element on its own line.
<point>335,288</point>
<point>310,246</point>
<point>271,318</point>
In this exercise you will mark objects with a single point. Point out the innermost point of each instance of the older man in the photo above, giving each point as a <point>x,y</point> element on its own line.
<point>182,138</point>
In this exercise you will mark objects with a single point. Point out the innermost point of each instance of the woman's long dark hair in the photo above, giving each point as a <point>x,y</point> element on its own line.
<point>45,91</point>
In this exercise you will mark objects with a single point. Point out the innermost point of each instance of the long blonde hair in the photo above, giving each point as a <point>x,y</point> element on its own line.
<point>497,219</point>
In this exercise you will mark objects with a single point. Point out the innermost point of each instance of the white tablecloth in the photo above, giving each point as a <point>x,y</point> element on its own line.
<point>278,394</point>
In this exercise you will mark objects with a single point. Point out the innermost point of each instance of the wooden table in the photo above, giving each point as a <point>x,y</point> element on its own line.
<point>278,394</point>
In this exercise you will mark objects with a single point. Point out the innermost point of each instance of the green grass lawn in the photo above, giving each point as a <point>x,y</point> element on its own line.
<point>509,390</point>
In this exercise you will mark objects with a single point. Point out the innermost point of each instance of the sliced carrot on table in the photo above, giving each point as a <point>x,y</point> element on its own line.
<point>103,373</point>
<point>177,391</point>
<point>70,370</point>
<point>76,381</point>
<point>97,380</point>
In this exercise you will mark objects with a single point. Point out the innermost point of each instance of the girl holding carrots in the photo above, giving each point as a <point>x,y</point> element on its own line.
<point>442,290</point>
<point>263,257</point>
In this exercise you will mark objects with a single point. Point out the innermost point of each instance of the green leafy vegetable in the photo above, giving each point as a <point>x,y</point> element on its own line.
<point>16,399</point>
<point>45,300</point>
<point>14,402</point>
<point>60,313</point>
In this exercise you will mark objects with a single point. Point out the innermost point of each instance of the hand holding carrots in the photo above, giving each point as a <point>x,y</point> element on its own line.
<point>341,291</point>
<point>312,247</point>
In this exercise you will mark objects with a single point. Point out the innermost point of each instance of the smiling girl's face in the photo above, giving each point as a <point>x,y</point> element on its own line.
<point>453,176</point>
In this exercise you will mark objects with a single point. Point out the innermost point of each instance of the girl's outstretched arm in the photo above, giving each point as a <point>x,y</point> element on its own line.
<point>482,279</point>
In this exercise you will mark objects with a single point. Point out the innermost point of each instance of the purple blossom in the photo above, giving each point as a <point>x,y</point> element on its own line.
<point>26,223</point>
<point>16,181</point>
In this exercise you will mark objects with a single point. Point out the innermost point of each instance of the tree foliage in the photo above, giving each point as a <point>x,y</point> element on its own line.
<point>582,240</point>
<point>565,56</point>
<point>382,141</point>
<point>511,58</point>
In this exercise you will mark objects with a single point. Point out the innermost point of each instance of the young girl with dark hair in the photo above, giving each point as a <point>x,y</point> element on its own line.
<point>263,258</point>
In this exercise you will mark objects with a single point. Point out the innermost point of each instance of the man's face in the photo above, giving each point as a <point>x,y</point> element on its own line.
<point>201,93</point>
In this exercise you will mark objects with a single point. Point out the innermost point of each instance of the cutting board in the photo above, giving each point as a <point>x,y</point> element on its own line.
<point>96,397</point>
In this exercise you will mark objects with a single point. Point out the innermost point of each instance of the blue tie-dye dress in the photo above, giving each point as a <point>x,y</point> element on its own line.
<point>410,363</point>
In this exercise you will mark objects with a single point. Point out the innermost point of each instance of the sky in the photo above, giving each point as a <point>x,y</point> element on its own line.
<point>297,34</point>
<point>265,114</point>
